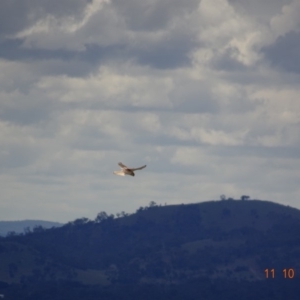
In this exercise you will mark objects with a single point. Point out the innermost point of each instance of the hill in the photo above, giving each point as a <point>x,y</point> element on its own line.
<point>205,247</point>
<point>20,226</point>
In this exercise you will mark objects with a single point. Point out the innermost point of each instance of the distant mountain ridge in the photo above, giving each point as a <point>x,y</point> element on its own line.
<point>19,226</point>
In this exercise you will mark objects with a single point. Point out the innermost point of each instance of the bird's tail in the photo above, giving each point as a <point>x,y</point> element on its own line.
<point>120,173</point>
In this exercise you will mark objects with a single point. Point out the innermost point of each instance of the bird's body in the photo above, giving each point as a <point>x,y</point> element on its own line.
<point>127,171</point>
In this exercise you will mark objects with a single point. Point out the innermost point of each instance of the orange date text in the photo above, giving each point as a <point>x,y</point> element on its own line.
<point>285,273</point>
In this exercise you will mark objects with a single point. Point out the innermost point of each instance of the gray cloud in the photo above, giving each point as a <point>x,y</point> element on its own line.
<point>192,96</point>
<point>16,15</point>
<point>262,10</point>
<point>285,52</point>
<point>168,53</point>
<point>152,15</point>
<point>25,116</point>
<point>12,49</point>
<point>16,157</point>
<point>171,52</point>
<point>158,37</point>
<point>257,151</point>
<point>61,61</point>
<point>226,61</point>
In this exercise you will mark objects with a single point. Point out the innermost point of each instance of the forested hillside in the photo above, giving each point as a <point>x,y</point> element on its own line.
<point>201,248</point>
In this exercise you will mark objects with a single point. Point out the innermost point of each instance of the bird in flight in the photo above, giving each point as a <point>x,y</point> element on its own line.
<point>127,171</point>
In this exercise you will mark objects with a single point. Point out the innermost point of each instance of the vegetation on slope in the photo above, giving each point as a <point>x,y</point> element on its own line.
<point>159,246</point>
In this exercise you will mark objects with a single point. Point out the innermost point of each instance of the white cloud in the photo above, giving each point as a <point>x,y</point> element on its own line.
<point>151,122</point>
<point>224,28</point>
<point>111,88</point>
<point>189,156</point>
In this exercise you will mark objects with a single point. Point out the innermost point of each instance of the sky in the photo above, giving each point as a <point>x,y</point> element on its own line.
<point>206,93</point>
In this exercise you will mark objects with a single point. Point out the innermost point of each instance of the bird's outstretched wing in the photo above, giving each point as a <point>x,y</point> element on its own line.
<point>121,165</point>
<point>140,168</point>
